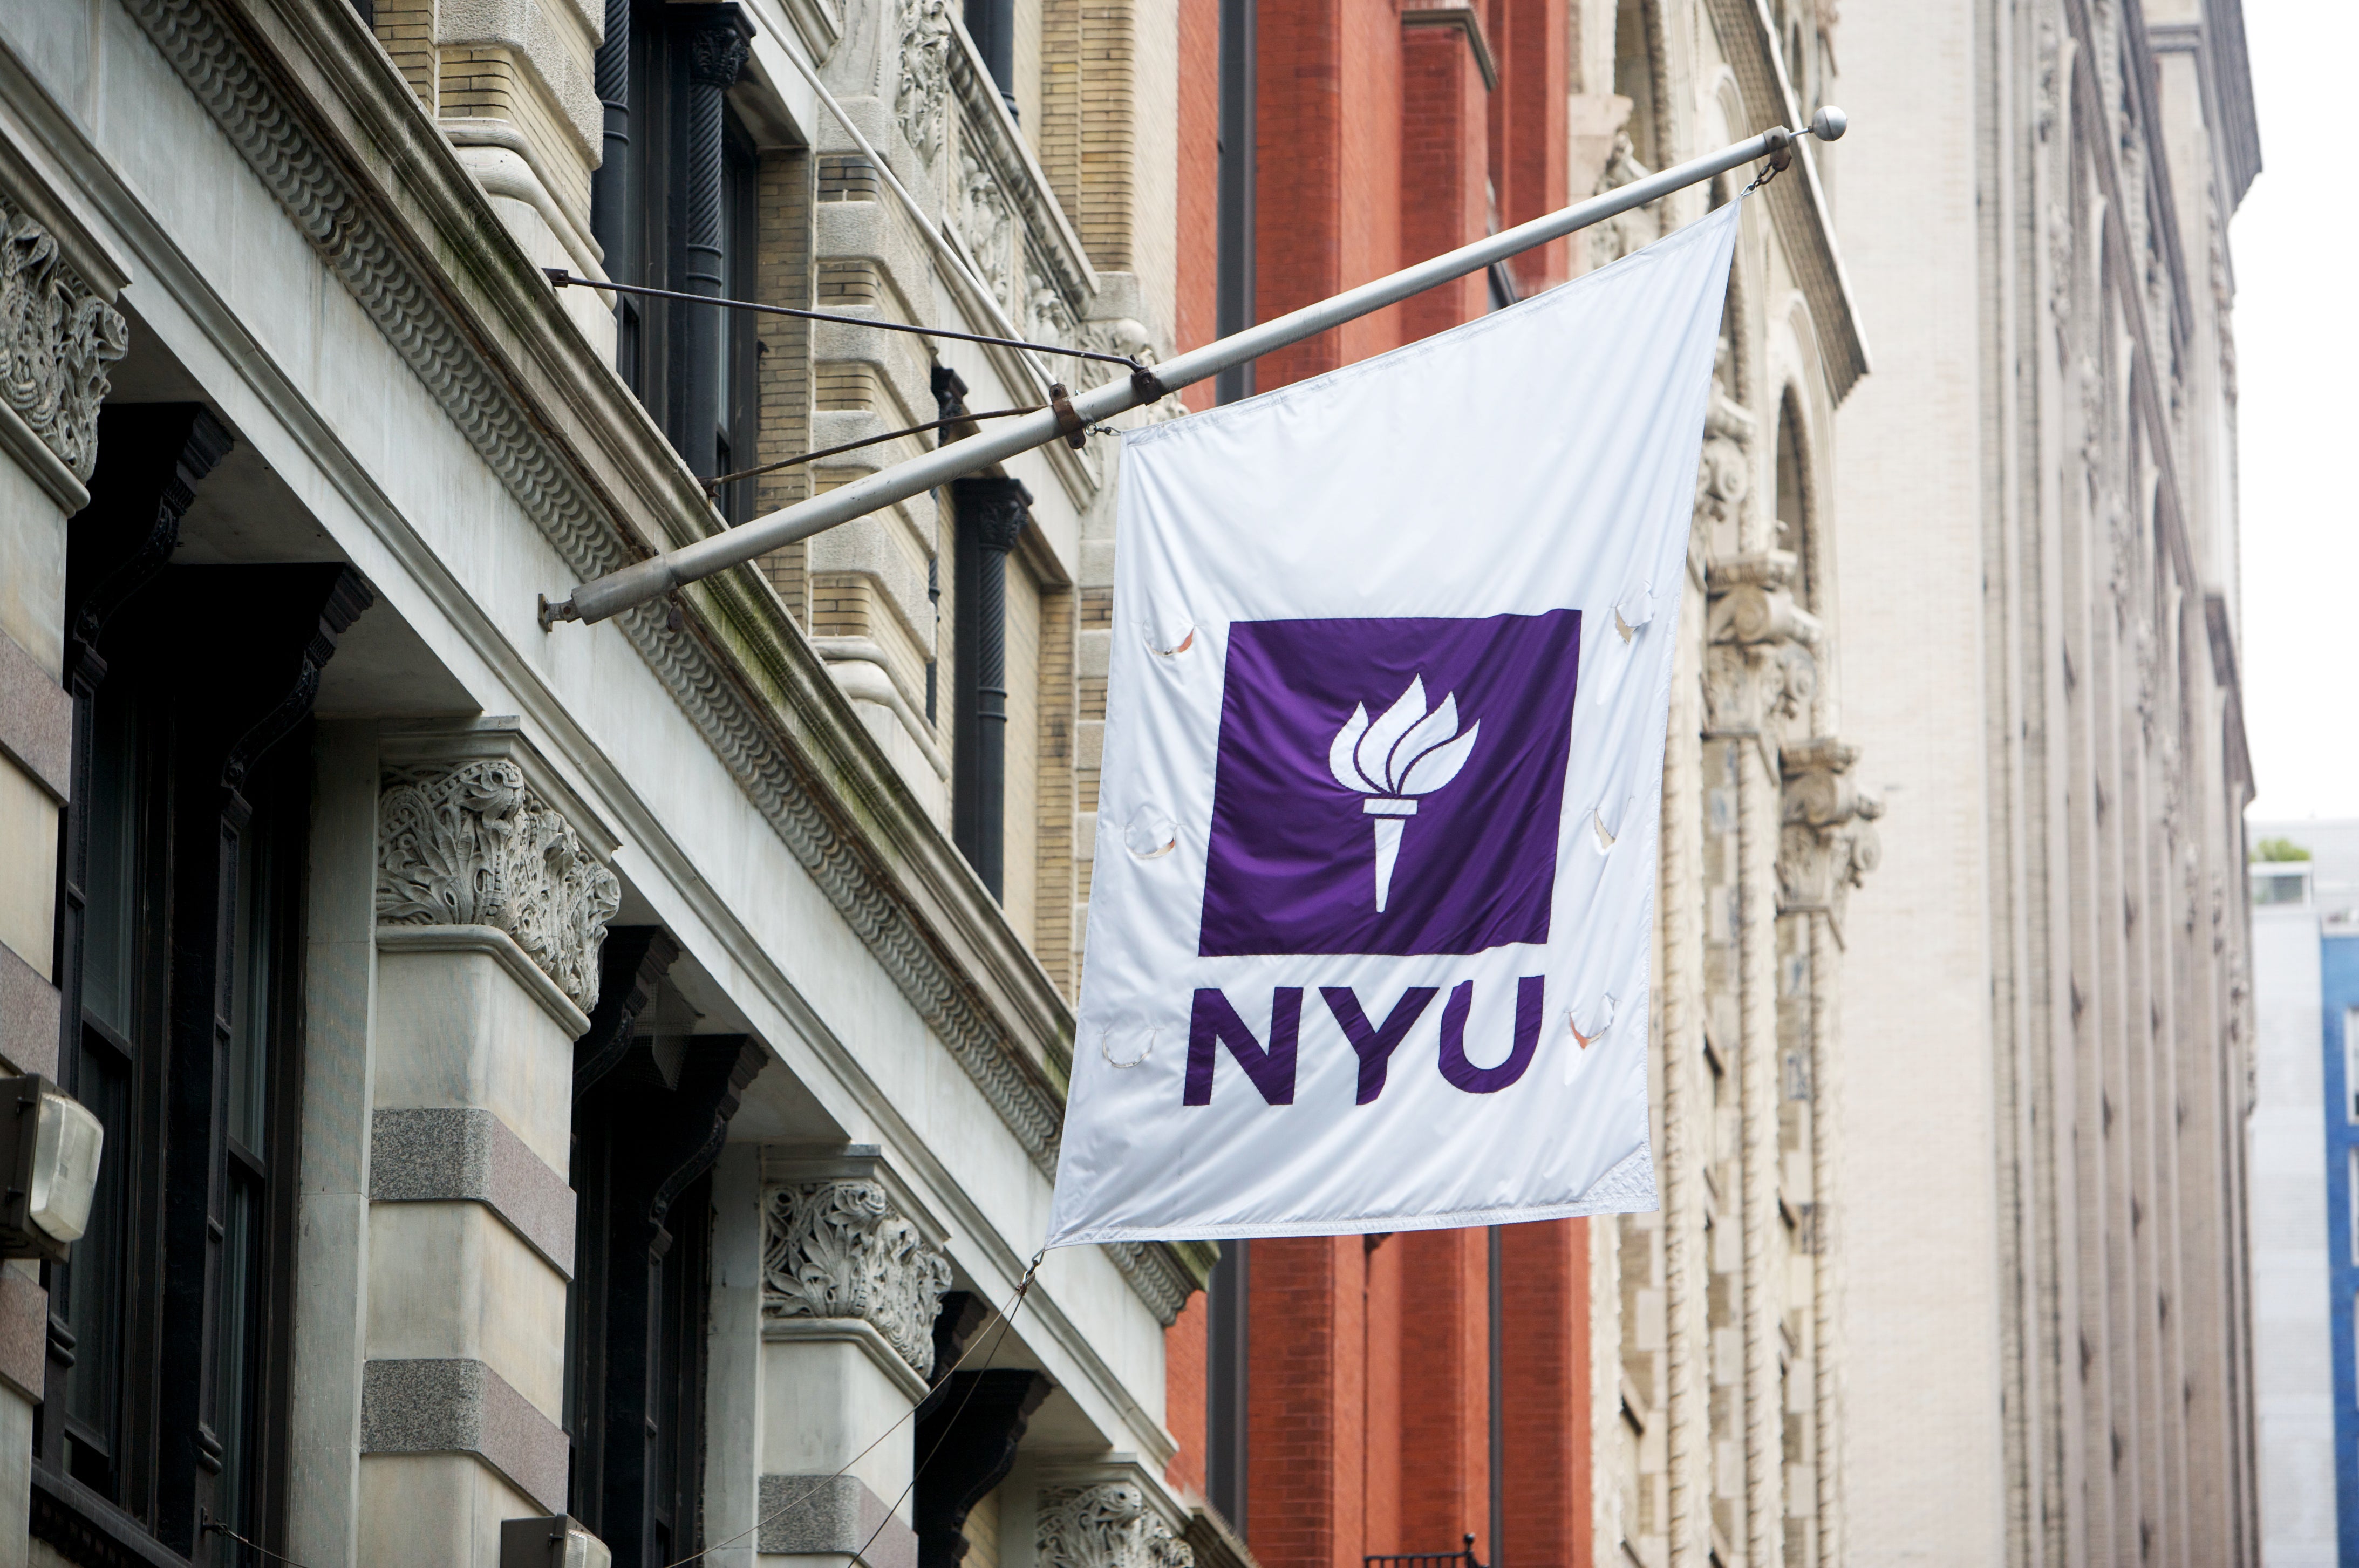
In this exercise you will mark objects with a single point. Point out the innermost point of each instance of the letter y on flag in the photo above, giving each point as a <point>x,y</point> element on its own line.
<point>1372,903</point>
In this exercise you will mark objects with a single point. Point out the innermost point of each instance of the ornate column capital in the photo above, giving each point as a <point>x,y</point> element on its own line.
<point>474,829</point>
<point>838,1241</point>
<point>1827,841</point>
<point>56,339</point>
<point>1104,1523</point>
<point>1723,475</point>
<point>719,40</point>
<point>996,508</point>
<point>1760,667</point>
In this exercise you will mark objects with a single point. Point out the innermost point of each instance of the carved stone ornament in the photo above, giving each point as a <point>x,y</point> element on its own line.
<point>985,223</point>
<point>1760,671</point>
<point>471,844</point>
<point>717,50</point>
<point>1106,1524</point>
<point>1724,472</point>
<point>346,224</point>
<point>838,1249</point>
<point>57,339</point>
<point>1827,841</point>
<point>925,58</point>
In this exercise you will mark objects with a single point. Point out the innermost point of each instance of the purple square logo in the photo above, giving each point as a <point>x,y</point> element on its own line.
<point>1389,786</point>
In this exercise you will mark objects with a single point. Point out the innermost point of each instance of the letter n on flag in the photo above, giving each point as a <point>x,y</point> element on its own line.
<point>1372,906</point>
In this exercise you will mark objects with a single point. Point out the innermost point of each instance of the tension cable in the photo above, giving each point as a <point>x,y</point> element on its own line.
<point>560,279</point>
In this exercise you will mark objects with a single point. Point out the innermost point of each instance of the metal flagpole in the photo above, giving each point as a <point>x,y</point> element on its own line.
<point>652,578</point>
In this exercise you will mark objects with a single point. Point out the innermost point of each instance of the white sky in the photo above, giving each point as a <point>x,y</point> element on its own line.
<point>2298,381</point>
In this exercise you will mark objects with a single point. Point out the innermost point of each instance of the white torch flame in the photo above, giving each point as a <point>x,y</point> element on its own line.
<point>1405,753</point>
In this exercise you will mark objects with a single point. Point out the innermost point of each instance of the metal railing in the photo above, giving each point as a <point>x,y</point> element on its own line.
<point>1463,1555</point>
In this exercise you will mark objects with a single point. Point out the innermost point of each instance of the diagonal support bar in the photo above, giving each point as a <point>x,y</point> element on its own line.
<point>650,579</point>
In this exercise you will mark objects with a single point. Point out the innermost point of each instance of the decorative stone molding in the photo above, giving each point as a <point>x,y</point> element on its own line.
<point>839,1248</point>
<point>1827,841</point>
<point>1724,471</point>
<point>343,220</point>
<point>924,53</point>
<point>1105,1524</point>
<point>470,841</point>
<point>984,224</point>
<point>57,338</point>
<point>1759,668</point>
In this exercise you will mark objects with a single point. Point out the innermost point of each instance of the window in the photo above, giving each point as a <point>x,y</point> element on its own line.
<point>1634,77</point>
<point>691,366</point>
<point>2287,887</point>
<point>647,1095</point>
<point>181,957</point>
<point>2350,1066</point>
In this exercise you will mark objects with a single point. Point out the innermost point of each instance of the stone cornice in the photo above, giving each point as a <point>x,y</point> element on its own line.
<point>318,111</point>
<point>1797,204</point>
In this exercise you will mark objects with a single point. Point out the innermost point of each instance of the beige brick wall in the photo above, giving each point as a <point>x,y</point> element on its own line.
<point>406,29</point>
<point>783,192</point>
<point>1087,139</point>
<point>1055,937</point>
<point>488,80</point>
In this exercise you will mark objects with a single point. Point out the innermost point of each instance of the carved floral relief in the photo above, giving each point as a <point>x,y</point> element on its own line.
<point>473,845</point>
<point>1105,1525</point>
<point>838,1249</point>
<point>56,339</point>
<point>925,56</point>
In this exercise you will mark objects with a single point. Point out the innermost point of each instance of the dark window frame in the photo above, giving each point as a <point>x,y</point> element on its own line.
<point>199,678</point>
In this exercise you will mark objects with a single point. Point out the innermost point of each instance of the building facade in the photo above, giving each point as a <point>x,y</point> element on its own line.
<point>1700,1419</point>
<point>2050,1018</point>
<point>597,1073</point>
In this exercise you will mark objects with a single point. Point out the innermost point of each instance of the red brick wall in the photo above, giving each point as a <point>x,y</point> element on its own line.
<point>1531,41</point>
<point>1306,1422</point>
<point>1445,1427</point>
<point>1327,110</point>
<point>1369,1424</point>
<point>1200,184</point>
<point>1386,1376</point>
<point>1186,1355</point>
<point>1445,169</point>
<point>1545,1312</point>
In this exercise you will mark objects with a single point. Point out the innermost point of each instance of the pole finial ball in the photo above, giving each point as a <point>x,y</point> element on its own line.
<point>1829,123</point>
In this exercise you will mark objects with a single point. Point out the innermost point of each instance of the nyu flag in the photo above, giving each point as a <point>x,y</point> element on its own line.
<point>1372,908</point>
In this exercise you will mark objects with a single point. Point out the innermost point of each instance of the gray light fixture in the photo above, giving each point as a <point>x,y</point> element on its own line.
<point>50,1148</point>
<point>556,1541</point>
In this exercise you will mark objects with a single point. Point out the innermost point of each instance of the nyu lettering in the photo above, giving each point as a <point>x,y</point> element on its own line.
<point>1213,1023</point>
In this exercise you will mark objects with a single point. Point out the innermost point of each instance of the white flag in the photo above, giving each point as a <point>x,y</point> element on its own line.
<point>1372,907</point>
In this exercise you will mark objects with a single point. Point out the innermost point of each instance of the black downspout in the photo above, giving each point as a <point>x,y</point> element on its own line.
<point>1498,1406</point>
<point>1233,306</point>
<point>992,25</point>
<point>1227,1455</point>
<point>609,194</point>
<point>717,48</point>
<point>991,518</point>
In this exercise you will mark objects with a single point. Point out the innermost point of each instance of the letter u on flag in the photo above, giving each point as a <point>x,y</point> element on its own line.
<point>1372,907</point>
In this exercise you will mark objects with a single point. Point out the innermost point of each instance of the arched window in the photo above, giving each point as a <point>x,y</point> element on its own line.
<point>1794,502</point>
<point>1633,78</point>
